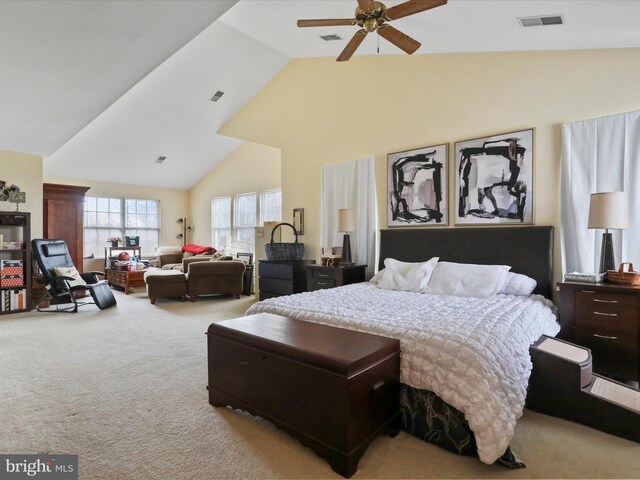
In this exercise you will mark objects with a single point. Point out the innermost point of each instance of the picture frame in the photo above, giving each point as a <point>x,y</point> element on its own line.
<point>494,179</point>
<point>418,187</point>
<point>298,220</point>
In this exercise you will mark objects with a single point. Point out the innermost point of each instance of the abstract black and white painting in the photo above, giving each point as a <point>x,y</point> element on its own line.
<point>494,179</point>
<point>417,187</point>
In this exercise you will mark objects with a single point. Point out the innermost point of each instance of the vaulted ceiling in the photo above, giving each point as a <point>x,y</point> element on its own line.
<point>102,88</point>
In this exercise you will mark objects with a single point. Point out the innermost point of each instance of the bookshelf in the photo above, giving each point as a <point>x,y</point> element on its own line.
<point>15,263</point>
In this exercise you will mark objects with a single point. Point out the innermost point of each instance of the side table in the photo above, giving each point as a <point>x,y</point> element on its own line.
<point>320,276</point>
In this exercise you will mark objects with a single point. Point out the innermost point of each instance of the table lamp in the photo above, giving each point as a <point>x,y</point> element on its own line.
<point>346,224</point>
<point>608,210</point>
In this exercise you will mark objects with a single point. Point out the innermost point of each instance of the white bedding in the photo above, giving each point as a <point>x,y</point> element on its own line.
<point>472,352</point>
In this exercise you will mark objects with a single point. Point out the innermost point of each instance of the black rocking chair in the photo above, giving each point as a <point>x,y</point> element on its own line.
<point>53,253</point>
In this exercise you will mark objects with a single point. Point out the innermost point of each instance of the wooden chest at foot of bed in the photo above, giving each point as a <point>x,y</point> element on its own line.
<point>335,390</point>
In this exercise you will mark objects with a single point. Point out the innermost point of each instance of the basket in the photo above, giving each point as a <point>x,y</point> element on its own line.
<point>624,278</point>
<point>284,251</point>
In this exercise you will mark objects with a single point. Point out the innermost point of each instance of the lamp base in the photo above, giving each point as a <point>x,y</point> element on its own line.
<point>346,252</point>
<point>606,253</point>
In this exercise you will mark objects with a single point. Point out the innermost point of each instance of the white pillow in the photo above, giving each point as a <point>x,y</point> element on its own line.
<point>518,284</point>
<point>70,272</point>
<point>168,249</point>
<point>467,279</point>
<point>405,276</point>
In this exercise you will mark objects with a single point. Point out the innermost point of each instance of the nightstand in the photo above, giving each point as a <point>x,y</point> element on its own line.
<point>319,276</point>
<point>603,317</point>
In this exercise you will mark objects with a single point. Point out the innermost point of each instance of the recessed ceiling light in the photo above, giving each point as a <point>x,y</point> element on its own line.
<point>541,20</point>
<point>160,159</point>
<point>217,96</point>
<point>330,38</point>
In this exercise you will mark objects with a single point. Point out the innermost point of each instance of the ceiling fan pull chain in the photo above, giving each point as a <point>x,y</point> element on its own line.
<point>378,37</point>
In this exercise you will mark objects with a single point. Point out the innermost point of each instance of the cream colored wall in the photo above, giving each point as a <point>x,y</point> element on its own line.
<point>174,203</point>
<point>25,171</point>
<point>319,112</point>
<point>251,168</point>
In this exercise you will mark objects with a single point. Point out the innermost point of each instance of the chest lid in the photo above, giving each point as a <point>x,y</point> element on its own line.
<point>330,348</point>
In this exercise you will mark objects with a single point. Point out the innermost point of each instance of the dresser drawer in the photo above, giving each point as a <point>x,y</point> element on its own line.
<point>317,283</point>
<point>277,270</point>
<point>276,285</point>
<point>607,316</point>
<point>325,273</point>
<point>603,300</point>
<point>614,352</point>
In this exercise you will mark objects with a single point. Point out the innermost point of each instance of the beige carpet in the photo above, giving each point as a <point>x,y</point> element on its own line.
<point>125,389</point>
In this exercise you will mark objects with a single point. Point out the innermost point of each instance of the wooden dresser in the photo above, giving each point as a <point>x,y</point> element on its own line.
<point>278,278</point>
<point>333,389</point>
<point>604,318</point>
<point>63,217</point>
<point>320,276</point>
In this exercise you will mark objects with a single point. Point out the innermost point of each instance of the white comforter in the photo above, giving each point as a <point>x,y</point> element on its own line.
<point>473,353</point>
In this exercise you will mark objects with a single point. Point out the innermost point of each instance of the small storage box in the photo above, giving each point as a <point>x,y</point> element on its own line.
<point>131,241</point>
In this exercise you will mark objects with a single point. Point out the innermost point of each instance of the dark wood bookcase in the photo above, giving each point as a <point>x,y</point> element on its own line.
<point>16,227</point>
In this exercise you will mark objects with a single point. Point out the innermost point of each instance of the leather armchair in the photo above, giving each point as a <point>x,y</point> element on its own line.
<point>213,277</point>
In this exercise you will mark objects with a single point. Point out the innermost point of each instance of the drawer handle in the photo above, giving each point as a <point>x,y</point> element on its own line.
<point>605,337</point>
<point>588,291</point>
<point>378,389</point>
<point>323,275</point>
<point>606,314</point>
<point>323,283</point>
<point>604,301</point>
<point>243,364</point>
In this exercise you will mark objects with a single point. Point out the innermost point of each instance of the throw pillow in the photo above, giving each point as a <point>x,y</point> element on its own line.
<point>468,280</point>
<point>406,276</point>
<point>198,249</point>
<point>70,272</point>
<point>518,284</point>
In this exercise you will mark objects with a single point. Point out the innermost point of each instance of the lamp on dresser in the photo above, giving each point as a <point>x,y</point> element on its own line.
<point>346,224</point>
<point>609,211</point>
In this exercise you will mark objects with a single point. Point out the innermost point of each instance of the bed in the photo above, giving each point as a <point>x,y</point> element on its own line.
<point>465,363</point>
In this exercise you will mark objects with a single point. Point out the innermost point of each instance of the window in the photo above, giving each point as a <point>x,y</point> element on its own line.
<point>245,219</point>
<point>221,222</point>
<point>271,206</point>
<point>116,217</point>
<point>142,219</point>
<point>234,218</point>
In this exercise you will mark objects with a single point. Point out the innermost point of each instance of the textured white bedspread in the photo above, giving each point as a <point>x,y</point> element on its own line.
<point>472,352</point>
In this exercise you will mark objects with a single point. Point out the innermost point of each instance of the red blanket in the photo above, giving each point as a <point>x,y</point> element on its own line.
<point>198,249</point>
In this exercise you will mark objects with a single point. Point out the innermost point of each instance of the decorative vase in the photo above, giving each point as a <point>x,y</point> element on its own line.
<point>114,244</point>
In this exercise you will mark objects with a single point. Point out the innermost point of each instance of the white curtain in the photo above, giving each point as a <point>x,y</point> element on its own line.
<point>351,185</point>
<point>599,155</point>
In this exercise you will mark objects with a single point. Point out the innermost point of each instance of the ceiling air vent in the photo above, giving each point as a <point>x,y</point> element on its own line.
<point>217,96</point>
<point>541,21</point>
<point>330,38</point>
<point>160,159</point>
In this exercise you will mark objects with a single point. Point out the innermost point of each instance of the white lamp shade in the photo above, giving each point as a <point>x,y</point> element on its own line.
<point>609,210</point>
<point>346,220</point>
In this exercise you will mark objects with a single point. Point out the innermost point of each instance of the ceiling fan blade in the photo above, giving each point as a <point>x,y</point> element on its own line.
<point>327,22</point>
<point>399,39</point>
<point>352,46</point>
<point>412,6</point>
<point>367,5</point>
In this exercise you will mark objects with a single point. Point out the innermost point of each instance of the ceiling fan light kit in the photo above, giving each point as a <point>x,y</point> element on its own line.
<point>371,16</point>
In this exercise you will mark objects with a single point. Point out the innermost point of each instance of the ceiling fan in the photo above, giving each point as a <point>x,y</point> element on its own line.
<point>372,16</point>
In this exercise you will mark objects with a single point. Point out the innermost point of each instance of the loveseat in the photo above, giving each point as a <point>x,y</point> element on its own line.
<point>213,276</point>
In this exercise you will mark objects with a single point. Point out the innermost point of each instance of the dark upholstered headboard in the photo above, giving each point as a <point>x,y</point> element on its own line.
<point>528,250</point>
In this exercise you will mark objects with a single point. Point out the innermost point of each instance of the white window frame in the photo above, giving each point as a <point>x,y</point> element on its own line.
<point>214,239</point>
<point>120,231</point>
<point>262,205</point>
